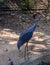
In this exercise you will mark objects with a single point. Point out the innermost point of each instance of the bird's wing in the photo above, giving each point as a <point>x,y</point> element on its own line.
<point>26,31</point>
<point>26,36</point>
<point>29,30</point>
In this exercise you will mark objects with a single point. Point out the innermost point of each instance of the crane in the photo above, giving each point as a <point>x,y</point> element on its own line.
<point>26,35</point>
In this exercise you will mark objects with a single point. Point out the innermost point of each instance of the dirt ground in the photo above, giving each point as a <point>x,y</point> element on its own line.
<point>38,45</point>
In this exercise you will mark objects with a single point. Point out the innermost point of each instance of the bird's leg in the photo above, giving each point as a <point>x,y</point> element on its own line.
<point>19,52</point>
<point>27,47</point>
<point>27,54</point>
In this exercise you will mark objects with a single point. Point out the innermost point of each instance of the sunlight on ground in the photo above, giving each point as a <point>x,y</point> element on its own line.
<point>8,36</point>
<point>13,42</point>
<point>41,37</point>
<point>8,33</point>
<point>37,53</point>
<point>12,36</point>
<point>38,39</point>
<point>38,45</point>
<point>8,39</point>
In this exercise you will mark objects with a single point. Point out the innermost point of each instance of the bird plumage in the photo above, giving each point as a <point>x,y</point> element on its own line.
<point>27,34</point>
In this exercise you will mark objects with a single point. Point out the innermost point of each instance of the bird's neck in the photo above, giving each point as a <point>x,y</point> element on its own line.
<point>35,20</point>
<point>32,28</point>
<point>34,24</point>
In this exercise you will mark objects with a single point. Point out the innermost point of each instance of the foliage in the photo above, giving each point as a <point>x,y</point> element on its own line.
<point>4,6</point>
<point>49,5</point>
<point>36,1</point>
<point>29,4</point>
<point>22,4</point>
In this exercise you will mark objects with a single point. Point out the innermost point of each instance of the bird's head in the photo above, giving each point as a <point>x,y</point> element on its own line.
<point>34,15</point>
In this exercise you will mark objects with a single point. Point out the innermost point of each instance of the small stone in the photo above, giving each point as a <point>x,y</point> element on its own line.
<point>10,62</point>
<point>6,50</point>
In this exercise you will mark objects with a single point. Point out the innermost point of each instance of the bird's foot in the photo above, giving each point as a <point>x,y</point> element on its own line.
<point>19,53</point>
<point>26,58</point>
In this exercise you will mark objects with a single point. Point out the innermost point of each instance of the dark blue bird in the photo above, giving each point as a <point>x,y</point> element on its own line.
<point>27,34</point>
